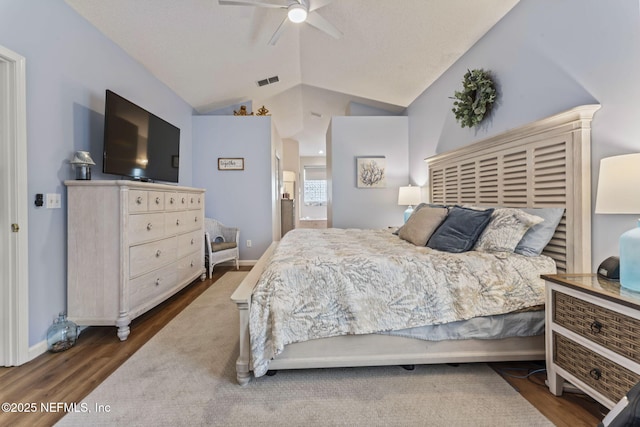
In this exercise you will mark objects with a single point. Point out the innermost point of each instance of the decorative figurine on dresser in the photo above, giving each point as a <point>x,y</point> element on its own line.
<point>131,245</point>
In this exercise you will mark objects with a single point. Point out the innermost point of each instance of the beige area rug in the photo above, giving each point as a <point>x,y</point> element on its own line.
<point>185,376</point>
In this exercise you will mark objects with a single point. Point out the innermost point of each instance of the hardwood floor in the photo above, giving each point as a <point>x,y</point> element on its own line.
<point>55,379</point>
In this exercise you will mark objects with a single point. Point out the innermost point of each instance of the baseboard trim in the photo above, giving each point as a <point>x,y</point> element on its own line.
<point>37,350</point>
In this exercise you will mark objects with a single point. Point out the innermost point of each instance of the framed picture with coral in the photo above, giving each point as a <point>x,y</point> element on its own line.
<point>371,172</point>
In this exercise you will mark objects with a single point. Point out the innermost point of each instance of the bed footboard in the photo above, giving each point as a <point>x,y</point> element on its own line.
<point>242,297</point>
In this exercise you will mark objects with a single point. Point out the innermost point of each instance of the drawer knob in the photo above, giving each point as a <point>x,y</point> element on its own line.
<point>195,219</point>
<point>596,327</point>
<point>192,200</point>
<point>183,200</point>
<point>158,282</point>
<point>595,374</point>
<point>177,222</point>
<point>191,263</point>
<point>172,200</point>
<point>149,226</point>
<point>157,200</point>
<point>158,253</point>
<point>139,200</point>
<point>192,241</point>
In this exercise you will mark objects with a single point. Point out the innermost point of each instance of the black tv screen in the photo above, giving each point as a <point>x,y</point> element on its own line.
<point>138,144</point>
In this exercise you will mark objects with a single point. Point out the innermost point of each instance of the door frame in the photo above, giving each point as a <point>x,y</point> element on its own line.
<point>14,280</point>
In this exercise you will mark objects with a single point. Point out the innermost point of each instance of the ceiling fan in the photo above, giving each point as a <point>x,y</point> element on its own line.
<point>298,11</point>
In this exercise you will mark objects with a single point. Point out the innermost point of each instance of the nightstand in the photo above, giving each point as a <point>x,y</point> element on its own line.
<point>592,336</point>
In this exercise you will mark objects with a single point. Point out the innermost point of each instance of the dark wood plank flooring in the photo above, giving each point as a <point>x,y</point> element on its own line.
<point>69,376</point>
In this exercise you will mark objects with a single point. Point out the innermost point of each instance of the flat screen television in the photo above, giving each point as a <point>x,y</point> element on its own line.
<point>137,143</point>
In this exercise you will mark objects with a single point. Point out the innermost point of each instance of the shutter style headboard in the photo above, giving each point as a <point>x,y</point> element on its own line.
<point>546,163</point>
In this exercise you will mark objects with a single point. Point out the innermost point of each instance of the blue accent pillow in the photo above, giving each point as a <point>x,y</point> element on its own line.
<point>538,236</point>
<point>460,229</point>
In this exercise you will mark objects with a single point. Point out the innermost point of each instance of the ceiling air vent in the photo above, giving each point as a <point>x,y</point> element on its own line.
<point>268,81</point>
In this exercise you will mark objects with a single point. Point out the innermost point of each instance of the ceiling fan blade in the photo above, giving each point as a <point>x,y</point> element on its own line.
<point>279,31</point>
<point>322,24</point>
<point>317,4</point>
<point>250,3</point>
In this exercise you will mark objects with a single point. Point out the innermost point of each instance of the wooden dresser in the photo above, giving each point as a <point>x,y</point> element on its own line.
<point>592,336</point>
<point>130,245</point>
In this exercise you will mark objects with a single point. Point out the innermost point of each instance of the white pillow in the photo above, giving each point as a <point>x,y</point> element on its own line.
<point>504,231</point>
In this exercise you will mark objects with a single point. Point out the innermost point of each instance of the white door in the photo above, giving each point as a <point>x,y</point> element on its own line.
<point>14,340</point>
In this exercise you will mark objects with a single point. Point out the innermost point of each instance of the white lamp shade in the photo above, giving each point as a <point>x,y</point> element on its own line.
<point>619,185</point>
<point>409,196</point>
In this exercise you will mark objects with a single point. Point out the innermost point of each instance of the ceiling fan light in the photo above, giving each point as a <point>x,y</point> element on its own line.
<point>297,13</point>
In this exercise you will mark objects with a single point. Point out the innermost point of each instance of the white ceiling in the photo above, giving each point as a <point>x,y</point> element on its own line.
<point>212,55</point>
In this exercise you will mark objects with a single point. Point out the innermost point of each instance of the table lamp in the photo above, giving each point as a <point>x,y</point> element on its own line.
<point>619,193</point>
<point>82,162</point>
<point>409,196</point>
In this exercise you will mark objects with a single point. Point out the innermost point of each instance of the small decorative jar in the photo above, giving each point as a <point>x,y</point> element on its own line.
<point>62,334</point>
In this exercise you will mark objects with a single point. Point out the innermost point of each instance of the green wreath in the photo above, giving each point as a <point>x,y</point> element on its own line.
<point>475,99</point>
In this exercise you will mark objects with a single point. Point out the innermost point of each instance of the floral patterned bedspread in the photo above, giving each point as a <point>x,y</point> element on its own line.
<point>323,283</point>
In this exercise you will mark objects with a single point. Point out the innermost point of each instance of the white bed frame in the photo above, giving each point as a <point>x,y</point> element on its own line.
<point>543,164</point>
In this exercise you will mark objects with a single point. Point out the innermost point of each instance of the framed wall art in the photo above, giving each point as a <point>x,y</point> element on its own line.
<point>231,164</point>
<point>371,172</point>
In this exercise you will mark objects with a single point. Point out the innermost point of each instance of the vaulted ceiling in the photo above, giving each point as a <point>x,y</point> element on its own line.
<point>213,55</point>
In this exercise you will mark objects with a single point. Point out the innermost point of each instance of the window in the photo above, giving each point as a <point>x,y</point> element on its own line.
<point>315,185</point>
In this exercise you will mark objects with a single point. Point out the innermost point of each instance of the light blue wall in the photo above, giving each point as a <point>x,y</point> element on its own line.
<point>353,137</point>
<point>69,66</point>
<point>236,198</point>
<point>547,56</point>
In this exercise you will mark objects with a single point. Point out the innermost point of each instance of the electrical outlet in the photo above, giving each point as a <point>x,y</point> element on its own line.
<point>248,243</point>
<point>53,201</point>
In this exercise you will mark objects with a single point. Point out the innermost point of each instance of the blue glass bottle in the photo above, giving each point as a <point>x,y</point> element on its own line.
<point>630,259</point>
<point>62,334</point>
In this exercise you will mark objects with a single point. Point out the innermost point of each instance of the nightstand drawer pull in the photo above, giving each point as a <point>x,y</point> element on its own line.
<point>595,374</point>
<point>149,226</point>
<point>596,327</point>
<point>158,253</point>
<point>139,200</point>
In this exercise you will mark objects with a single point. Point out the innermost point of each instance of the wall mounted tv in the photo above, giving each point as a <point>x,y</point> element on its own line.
<point>138,144</point>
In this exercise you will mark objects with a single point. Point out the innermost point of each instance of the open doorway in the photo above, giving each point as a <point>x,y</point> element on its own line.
<point>14,283</point>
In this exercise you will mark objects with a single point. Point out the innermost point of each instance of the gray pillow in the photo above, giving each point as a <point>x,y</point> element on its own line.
<point>538,236</point>
<point>421,224</point>
<point>506,228</point>
<point>460,230</point>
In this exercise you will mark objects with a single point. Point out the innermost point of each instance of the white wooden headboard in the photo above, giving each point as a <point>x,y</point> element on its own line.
<point>546,163</point>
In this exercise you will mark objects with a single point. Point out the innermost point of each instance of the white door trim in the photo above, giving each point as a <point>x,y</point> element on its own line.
<point>14,281</point>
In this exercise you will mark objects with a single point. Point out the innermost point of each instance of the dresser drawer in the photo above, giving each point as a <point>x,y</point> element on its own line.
<point>144,227</point>
<point>150,285</point>
<point>138,201</point>
<point>190,267</point>
<point>190,242</point>
<point>615,331</point>
<point>195,201</point>
<point>150,256</point>
<point>194,220</point>
<point>171,201</point>
<point>183,200</point>
<point>156,200</point>
<point>598,372</point>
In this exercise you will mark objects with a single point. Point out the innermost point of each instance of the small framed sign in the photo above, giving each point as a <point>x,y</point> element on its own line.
<point>231,164</point>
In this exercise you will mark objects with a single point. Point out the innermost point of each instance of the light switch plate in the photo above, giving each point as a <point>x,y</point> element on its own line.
<point>53,201</point>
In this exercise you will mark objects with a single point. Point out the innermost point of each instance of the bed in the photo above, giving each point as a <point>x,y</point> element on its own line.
<point>544,164</point>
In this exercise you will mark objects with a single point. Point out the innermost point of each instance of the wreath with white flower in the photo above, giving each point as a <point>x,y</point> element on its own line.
<point>475,99</point>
